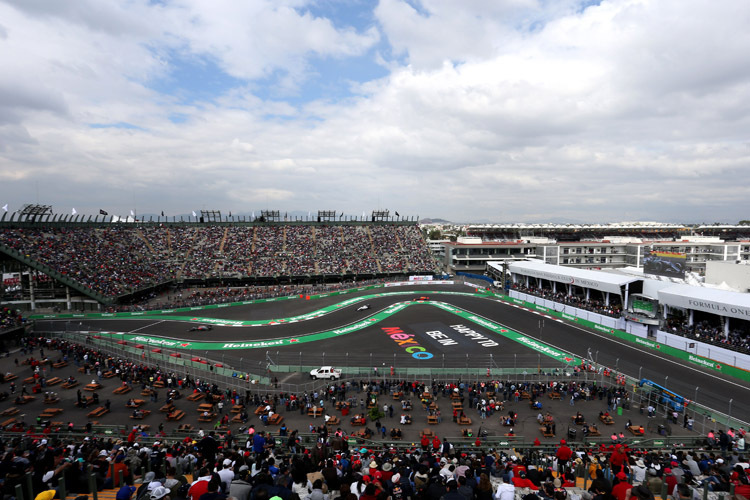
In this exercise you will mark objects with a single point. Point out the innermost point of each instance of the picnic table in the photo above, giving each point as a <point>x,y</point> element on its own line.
<point>135,403</point>
<point>432,420</point>
<point>54,381</point>
<point>607,419</point>
<point>185,427</point>
<point>167,408</point>
<point>464,420</point>
<point>99,412</point>
<point>123,389</point>
<point>9,411</point>
<point>176,415</point>
<point>196,396</point>
<point>275,419</point>
<point>205,407</point>
<point>60,364</point>
<point>206,417</point>
<point>140,414</point>
<point>94,386</point>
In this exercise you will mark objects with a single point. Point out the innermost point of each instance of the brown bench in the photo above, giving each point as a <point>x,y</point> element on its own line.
<point>60,364</point>
<point>607,419</point>
<point>167,408</point>
<point>237,408</point>
<point>593,431</point>
<point>54,381</point>
<point>544,432</point>
<point>53,411</point>
<point>136,403</point>
<point>10,377</point>
<point>185,427</point>
<point>175,415</point>
<point>159,384</point>
<point>70,385</point>
<point>427,433</point>
<point>205,407</point>
<point>333,421</point>
<point>432,420</point>
<point>464,420</point>
<point>206,418</point>
<point>92,387</point>
<point>637,430</point>
<point>196,396</point>
<point>8,422</point>
<point>261,410</point>
<point>29,380</point>
<point>147,392</point>
<point>237,418</point>
<point>108,374</point>
<point>275,419</point>
<point>123,389</point>
<point>9,411</point>
<point>99,412</point>
<point>26,399</point>
<point>555,395</point>
<point>314,412</point>
<point>51,400</point>
<point>141,415</point>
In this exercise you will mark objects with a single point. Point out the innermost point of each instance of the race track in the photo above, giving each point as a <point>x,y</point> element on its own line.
<point>437,330</point>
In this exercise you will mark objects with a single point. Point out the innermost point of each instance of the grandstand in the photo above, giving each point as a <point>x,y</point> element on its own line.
<point>115,262</point>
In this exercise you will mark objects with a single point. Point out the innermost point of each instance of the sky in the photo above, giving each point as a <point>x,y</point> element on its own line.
<point>466,110</point>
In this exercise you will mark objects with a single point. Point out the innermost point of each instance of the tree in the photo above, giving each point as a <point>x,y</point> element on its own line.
<point>435,234</point>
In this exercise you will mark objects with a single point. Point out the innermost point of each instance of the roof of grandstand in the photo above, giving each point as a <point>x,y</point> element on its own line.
<point>607,282</point>
<point>715,301</point>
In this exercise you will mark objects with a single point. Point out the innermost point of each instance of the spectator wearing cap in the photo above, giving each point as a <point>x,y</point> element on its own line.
<point>670,480</point>
<point>621,486</point>
<point>239,487</point>
<point>159,493</point>
<point>226,474</point>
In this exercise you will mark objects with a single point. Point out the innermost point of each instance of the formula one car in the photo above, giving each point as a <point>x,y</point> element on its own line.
<point>364,307</point>
<point>419,299</point>
<point>201,328</point>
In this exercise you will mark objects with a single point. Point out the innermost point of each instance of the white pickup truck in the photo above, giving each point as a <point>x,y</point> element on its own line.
<point>328,372</point>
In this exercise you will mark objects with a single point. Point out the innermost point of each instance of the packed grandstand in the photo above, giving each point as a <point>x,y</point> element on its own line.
<point>114,260</point>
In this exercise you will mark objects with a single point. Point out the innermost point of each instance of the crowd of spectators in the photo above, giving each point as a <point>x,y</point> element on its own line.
<point>703,331</point>
<point>257,465</point>
<point>613,309</point>
<point>117,260</point>
<point>9,318</point>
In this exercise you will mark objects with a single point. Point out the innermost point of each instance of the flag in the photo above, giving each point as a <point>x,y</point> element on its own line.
<point>397,215</point>
<point>103,212</point>
<point>253,214</point>
<point>162,213</point>
<point>74,211</point>
<point>5,207</point>
<point>132,214</point>
<point>342,214</point>
<point>364,214</point>
<point>194,214</point>
<point>230,214</point>
<point>308,214</point>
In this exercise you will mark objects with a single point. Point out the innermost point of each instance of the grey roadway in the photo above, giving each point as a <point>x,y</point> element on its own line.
<point>685,379</point>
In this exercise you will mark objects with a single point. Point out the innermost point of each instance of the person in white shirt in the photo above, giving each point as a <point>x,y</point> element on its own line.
<point>226,474</point>
<point>505,491</point>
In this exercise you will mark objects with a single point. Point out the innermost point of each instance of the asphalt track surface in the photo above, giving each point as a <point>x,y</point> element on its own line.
<point>372,346</point>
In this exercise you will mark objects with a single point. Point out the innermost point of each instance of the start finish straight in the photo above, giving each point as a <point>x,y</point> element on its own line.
<point>407,339</point>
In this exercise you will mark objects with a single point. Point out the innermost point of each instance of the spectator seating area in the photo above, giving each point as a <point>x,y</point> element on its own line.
<point>598,306</point>
<point>737,340</point>
<point>9,318</point>
<point>115,260</point>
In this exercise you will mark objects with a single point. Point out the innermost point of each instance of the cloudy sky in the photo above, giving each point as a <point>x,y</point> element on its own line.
<point>499,110</point>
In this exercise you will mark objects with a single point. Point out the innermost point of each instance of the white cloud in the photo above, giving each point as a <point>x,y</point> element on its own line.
<point>506,111</point>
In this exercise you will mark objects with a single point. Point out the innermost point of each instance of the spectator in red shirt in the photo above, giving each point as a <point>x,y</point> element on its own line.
<point>563,455</point>
<point>621,486</point>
